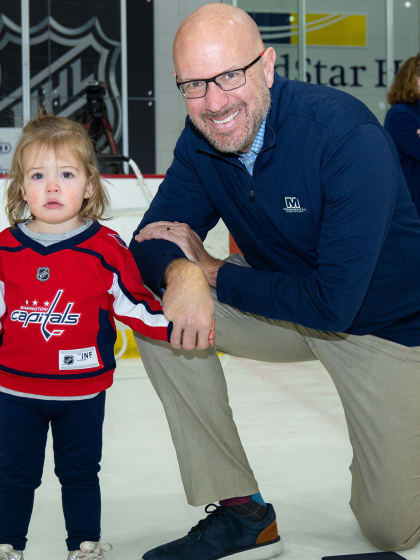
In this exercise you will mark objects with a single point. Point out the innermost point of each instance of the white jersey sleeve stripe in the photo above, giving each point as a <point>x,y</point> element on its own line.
<point>124,307</point>
<point>2,303</point>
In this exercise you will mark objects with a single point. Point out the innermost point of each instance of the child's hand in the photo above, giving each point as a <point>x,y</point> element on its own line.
<point>211,334</point>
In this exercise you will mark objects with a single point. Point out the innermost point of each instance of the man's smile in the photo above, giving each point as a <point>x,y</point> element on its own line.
<point>227,119</point>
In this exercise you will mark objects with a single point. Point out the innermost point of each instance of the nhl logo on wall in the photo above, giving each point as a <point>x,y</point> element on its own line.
<point>43,273</point>
<point>77,55</point>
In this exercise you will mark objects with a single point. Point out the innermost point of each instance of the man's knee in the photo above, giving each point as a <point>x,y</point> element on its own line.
<point>398,529</point>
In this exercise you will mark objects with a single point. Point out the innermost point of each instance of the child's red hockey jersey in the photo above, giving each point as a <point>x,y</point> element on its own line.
<point>57,309</point>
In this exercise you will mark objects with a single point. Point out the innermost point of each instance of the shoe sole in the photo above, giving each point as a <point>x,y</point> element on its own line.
<point>259,552</point>
<point>262,552</point>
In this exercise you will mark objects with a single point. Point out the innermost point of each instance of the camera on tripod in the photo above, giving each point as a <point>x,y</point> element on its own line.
<point>95,92</point>
<point>95,120</point>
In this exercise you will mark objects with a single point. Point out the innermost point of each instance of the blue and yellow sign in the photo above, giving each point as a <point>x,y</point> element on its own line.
<point>338,30</point>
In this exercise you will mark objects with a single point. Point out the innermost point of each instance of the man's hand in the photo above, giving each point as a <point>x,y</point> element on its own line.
<point>188,303</point>
<point>188,241</point>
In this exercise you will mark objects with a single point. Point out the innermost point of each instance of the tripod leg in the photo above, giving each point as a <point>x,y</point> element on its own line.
<point>108,131</point>
<point>88,124</point>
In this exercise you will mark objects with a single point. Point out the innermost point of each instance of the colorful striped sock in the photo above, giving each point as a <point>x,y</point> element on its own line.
<point>252,507</point>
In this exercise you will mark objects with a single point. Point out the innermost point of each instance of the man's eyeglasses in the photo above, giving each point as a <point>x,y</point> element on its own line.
<point>227,81</point>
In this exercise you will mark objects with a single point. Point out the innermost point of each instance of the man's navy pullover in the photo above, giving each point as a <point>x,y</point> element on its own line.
<point>326,222</point>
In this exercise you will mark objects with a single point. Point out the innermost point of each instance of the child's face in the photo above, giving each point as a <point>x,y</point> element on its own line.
<point>54,186</point>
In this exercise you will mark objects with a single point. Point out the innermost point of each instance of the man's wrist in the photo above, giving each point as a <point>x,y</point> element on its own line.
<point>212,270</point>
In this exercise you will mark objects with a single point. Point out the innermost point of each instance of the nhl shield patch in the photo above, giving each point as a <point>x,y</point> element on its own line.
<point>43,273</point>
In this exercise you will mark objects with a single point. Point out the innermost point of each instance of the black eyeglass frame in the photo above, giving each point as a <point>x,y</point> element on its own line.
<point>214,78</point>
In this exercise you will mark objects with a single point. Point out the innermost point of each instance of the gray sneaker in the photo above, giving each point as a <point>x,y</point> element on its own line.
<point>7,552</point>
<point>88,551</point>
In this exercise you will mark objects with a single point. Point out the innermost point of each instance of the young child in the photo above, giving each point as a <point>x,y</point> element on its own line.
<point>63,279</point>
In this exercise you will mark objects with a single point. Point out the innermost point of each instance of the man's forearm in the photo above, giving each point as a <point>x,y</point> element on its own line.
<point>177,268</point>
<point>189,270</point>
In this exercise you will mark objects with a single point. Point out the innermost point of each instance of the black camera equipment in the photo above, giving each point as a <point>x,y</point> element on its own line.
<point>95,121</point>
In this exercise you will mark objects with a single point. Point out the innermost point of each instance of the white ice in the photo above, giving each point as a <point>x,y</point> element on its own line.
<point>292,426</point>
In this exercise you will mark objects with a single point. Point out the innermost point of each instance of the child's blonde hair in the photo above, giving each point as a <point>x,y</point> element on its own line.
<point>50,132</point>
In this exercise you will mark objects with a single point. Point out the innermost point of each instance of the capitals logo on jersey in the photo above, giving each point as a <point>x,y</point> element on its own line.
<point>46,315</point>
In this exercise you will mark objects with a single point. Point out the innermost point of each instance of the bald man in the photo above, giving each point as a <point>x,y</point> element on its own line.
<point>310,186</point>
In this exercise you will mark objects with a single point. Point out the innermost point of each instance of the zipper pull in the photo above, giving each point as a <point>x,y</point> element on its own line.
<point>251,196</point>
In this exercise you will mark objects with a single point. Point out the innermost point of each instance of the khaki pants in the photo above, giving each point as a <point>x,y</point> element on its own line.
<point>378,382</point>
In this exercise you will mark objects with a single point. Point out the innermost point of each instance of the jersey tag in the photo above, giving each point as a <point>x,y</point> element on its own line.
<point>80,358</point>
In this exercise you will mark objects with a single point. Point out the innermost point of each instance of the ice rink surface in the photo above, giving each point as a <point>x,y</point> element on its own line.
<point>293,429</point>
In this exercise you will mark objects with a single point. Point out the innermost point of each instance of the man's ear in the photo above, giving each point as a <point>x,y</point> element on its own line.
<point>268,61</point>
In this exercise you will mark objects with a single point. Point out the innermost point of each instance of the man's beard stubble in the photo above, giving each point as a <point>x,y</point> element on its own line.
<point>238,140</point>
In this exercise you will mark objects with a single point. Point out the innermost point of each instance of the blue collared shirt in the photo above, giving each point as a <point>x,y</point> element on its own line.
<point>248,158</point>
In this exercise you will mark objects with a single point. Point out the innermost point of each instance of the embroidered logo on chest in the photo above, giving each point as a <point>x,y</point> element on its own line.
<point>292,204</point>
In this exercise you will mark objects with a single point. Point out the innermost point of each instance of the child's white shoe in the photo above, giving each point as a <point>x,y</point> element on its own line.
<point>88,551</point>
<point>7,552</point>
